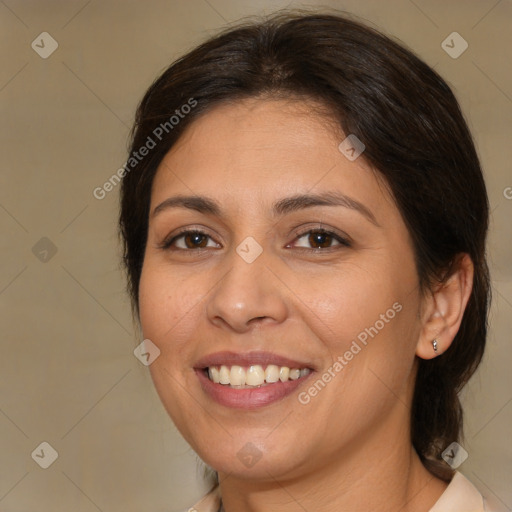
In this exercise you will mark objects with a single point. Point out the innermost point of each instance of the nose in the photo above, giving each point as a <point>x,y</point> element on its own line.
<point>247,295</point>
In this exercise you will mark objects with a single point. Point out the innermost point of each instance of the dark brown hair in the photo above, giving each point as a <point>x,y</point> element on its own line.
<point>415,137</point>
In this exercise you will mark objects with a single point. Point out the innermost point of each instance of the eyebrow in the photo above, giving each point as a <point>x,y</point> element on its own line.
<point>281,207</point>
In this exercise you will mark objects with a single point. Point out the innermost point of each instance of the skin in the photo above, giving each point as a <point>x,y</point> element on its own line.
<point>349,448</point>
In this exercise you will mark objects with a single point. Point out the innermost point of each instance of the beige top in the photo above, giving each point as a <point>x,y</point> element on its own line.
<point>460,496</point>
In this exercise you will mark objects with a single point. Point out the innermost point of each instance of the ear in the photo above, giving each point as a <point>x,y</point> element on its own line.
<point>443,309</point>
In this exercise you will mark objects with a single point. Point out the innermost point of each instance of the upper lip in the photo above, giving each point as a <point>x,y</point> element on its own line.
<point>229,358</point>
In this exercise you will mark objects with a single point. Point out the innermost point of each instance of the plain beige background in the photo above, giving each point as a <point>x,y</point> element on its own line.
<point>68,373</point>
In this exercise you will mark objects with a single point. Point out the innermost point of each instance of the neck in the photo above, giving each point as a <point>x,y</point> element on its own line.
<point>382,472</point>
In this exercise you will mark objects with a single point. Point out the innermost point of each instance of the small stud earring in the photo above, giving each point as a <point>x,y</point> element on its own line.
<point>434,344</point>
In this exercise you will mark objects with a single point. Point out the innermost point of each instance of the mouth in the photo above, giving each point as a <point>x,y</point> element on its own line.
<point>253,376</point>
<point>250,380</point>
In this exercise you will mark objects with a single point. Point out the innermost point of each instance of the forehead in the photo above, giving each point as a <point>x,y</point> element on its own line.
<point>253,150</point>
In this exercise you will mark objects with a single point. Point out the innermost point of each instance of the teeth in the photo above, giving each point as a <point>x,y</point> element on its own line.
<point>214,374</point>
<point>294,374</point>
<point>255,375</point>
<point>224,375</point>
<point>237,376</point>
<point>272,373</point>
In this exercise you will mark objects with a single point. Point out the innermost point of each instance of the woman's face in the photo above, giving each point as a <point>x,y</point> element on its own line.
<point>262,278</point>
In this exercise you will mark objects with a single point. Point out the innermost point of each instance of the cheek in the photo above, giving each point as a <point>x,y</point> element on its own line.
<point>154,304</point>
<point>369,320</point>
<point>372,361</point>
<point>353,302</point>
<point>167,305</point>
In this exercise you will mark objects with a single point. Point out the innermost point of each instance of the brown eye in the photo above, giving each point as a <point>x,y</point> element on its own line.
<point>193,239</point>
<point>322,239</point>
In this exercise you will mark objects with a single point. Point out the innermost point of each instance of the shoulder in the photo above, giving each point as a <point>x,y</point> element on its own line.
<point>462,496</point>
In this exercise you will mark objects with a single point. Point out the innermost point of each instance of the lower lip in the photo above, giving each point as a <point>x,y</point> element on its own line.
<point>248,398</point>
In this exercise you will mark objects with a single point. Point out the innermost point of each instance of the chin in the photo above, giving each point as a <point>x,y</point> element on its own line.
<point>246,457</point>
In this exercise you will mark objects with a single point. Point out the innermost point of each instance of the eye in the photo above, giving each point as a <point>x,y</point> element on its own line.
<point>322,238</point>
<point>195,239</point>
<point>192,239</point>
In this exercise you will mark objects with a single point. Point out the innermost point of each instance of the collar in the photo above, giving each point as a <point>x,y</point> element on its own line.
<point>460,495</point>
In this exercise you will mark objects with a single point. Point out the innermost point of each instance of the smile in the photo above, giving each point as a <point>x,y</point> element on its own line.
<point>240,377</point>
<point>251,396</point>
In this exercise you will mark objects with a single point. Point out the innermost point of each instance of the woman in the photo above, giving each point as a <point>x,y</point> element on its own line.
<point>304,221</point>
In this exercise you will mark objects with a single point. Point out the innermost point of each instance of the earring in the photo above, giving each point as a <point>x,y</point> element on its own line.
<point>434,344</point>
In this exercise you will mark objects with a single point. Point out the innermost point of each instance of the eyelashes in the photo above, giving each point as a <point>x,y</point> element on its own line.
<point>318,236</point>
<point>323,233</point>
<point>167,244</point>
